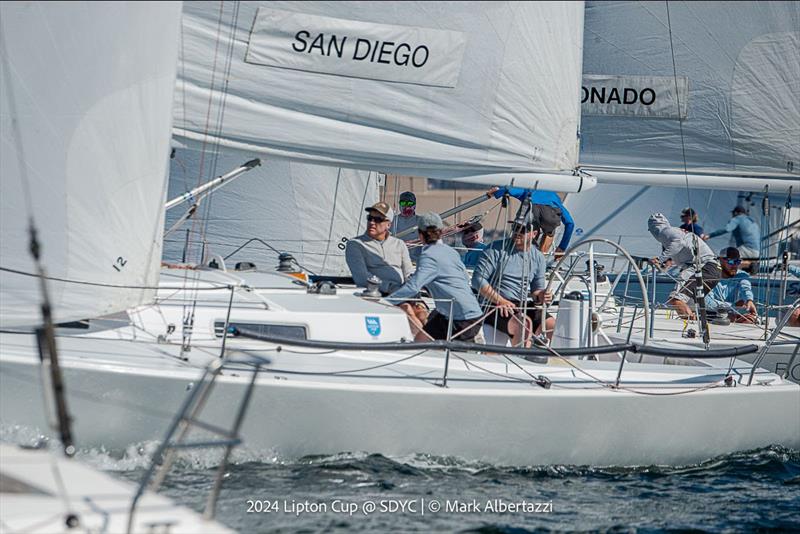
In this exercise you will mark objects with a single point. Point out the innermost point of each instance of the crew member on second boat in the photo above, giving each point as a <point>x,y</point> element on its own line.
<point>733,290</point>
<point>678,248</point>
<point>440,270</point>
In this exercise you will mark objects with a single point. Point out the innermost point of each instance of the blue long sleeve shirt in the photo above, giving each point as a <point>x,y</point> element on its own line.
<point>506,269</point>
<point>730,290</point>
<point>744,229</point>
<point>544,198</point>
<point>440,270</point>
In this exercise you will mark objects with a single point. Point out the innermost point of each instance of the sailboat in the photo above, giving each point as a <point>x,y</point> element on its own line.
<point>719,125</point>
<point>343,374</point>
<point>85,124</point>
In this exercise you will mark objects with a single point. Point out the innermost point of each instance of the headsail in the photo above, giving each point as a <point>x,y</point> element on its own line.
<point>485,91</point>
<point>737,92</point>
<point>85,122</point>
<point>293,207</point>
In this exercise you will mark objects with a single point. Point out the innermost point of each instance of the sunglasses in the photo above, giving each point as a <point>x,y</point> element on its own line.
<point>377,220</point>
<point>732,262</point>
<point>407,203</point>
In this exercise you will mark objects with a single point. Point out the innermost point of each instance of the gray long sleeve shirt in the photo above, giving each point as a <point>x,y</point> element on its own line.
<point>440,270</point>
<point>676,244</point>
<point>506,269</point>
<point>387,259</point>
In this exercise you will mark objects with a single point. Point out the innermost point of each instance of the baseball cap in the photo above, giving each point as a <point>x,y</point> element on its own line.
<point>383,208</point>
<point>429,220</point>
<point>731,253</point>
<point>408,195</point>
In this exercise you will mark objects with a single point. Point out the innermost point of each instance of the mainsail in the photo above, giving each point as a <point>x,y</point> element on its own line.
<point>85,119</point>
<point>693,91</point>
<point>474,91</point>
<point>733,109</point>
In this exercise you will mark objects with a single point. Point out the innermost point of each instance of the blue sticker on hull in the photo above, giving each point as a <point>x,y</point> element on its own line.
<point>373,325</point>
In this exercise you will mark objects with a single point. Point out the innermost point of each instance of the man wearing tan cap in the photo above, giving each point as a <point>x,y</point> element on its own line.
<point>375,252</point>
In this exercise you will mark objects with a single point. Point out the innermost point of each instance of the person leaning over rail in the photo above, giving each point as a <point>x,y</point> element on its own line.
<point>441,271</point>
<point>678,248</point>
<point>508,272</point>
<point>548,211</point>
<point>733,290</point>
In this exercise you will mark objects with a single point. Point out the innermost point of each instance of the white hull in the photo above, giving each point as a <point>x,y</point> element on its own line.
<point>121,399</point>
<point>34,501</point>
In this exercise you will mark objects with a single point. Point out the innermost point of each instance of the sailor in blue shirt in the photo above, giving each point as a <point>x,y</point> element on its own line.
<point>508,273</point>
<point>440,270</point>
<point>548,211</point>
<point>745,233</point>
<point>733,290</point>
<point>689,222</point>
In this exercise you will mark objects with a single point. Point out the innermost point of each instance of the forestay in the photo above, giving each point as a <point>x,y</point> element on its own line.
<point>481,91</point>
<point>87,90</point>
<point>300,208</point>
<point>737,87</point>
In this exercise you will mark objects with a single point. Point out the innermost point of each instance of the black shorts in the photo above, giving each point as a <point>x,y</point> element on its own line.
<point>548,217</point>
<point>436,327</point>
<point>711,275</point>
<point>498,322</point>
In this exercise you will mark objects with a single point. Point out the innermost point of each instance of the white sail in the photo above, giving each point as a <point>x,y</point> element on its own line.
<point>85,122</point>
<point>480,91</point>
<point>737,93</point>
<point>303,209</point>
<point>619,213</point>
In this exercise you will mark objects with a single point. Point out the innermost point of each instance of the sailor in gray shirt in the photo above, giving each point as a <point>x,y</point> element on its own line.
<point>377,253</point>
<point>508,273</point>
<point>441,271</point>
<point>678,248</point>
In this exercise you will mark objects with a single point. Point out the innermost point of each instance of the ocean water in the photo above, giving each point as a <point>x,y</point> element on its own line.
<point>750,491</point>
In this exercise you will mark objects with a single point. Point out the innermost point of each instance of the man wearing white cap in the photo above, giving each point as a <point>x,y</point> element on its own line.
<point>375,252</point>
<point>441,271</point>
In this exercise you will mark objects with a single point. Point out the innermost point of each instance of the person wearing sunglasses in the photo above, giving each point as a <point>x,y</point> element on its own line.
<point>407,205</point>
<point>509,273</point>
<point>408,215</point>
<point>442,273</point>
<point>678,248</point>
<point>375,252</point>
<point>734,290</point>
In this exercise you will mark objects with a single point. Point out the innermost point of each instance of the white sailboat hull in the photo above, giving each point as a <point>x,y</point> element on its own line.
<point>127,401</point>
